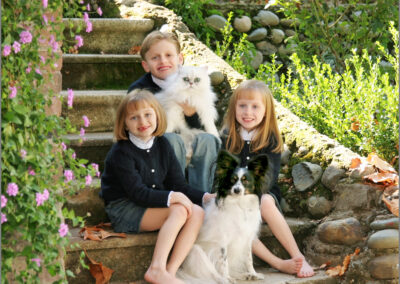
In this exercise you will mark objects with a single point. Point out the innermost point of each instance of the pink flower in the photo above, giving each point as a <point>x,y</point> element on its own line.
<point>37,260</point>
<point>42,59</point>
<point>28,69</point>
<point>82,132</point>
<point>85,16</point>
<point>88,26</point>
<point>37,70</point>
<point>86,121</point>
<point>46,21</point>
<point>63,230</point>
<point>3,201</point>
<point>69,175</point>
<point>63,146</point>
<point>70,97</point>
<point>44,2</point>
<point>16,47</point>
<point>25,37</point>
<point>79,40</point>
<point>88,179</point>
<point>23,153</point>
<point>6,50</point>
<point>99,11</point>
<point>31,171</point>
<point>12,189</point>
<point>3,218</point>
<point>42,197</point>
<point>13,93</point>
<point>88,7</point>
<point>80,1</point>
<point>96,168</point>
<point>73,155</point>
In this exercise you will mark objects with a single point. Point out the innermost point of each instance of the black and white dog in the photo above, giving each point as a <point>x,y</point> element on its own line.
<point>222,252</point>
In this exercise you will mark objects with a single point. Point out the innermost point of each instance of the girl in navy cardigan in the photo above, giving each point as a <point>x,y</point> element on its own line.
<point>144,189</point>
<point>251,128</point>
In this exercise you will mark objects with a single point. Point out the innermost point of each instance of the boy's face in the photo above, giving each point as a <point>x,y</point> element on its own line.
<point>162,59</point>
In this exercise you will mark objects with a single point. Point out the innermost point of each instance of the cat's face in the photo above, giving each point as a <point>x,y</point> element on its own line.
<point>193,77</point>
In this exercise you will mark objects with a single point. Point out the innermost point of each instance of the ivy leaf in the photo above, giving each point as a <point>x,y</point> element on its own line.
<point>12,117</point>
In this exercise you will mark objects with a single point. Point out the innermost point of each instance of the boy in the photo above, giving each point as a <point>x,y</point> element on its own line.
<point>161,58</point>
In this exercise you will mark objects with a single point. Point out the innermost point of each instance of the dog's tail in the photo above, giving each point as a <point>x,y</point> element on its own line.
<point>198,269</point>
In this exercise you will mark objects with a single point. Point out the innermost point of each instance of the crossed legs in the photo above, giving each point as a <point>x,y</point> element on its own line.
<point>178,231</point>
<point>277,223</point>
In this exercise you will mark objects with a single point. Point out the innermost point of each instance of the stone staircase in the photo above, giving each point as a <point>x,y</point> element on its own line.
<point>99,76</point>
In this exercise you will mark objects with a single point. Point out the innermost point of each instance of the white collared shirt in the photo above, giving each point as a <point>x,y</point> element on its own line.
<point>246,135</point>
<point>140,143</point>
<point>163,83</point>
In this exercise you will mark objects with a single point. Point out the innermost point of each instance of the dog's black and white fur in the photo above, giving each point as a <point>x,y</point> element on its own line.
<point>222,252</point>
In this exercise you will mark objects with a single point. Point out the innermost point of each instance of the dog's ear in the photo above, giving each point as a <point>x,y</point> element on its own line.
<point>225,162</point>
<point>258,165</point>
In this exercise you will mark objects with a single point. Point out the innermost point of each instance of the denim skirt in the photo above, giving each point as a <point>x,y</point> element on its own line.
<point>125,215</point>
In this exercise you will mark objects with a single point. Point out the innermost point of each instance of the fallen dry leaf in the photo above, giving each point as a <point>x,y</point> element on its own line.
<point>96,233</point>
<point>383,178</point>
<point>101,273</point>
<point>355,163</point>
<point>392,204</point>
<point>382,165</point>
<point>134,49</point>
<point>339,270</point>
<point>105,234</point>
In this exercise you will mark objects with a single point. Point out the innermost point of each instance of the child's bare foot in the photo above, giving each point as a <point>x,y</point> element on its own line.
<point>160,276</point>
<point>290,266</point>
<point>306,270</point>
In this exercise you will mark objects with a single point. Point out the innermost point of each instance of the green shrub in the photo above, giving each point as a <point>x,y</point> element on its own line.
<point>331,30</point>
<point>358,108</point>
<point>36,164</point>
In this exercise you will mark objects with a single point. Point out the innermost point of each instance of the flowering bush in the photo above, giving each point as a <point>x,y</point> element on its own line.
<point>36,163</point>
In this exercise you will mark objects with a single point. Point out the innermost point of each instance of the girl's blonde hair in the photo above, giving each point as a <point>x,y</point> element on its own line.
<point>135,100</point>
<point>267,131</point>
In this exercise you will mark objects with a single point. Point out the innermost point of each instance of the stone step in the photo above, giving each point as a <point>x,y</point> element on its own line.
<point>129,257</point>
<point>99,106</point>
<point>100,71</point>
<point>271,276</point>
<point>94,147</point>
<point>110,36</point>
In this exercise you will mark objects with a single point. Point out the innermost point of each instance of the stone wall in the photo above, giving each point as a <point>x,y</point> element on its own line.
<point>350,214</point>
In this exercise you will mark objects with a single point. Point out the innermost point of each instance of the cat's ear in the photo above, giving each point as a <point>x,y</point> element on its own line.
<point>204,68</point>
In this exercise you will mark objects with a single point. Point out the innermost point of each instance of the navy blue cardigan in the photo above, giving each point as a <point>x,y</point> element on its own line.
<point>146,82</point>
<point>144,176</point>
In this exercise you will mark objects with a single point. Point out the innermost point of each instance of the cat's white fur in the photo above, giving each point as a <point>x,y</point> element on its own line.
<point>185,88</point>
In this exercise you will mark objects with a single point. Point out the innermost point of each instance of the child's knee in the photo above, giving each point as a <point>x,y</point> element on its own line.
<point>198,212</point>
<point>267,201</point>
<point>178,211</point>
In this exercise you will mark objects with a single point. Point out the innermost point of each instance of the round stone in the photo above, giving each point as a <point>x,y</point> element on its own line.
<point>242,24</point>
<point>305,175</point>
<point>385,239</point>
<point>318,206</point>
<point>384,267</point>
<point>267,18</point>
<point>277,36</point>
<point>217,77</point>
<point>257,34</point>
<point>342,232</point>
<point>392,223</point>
<point>216,22</point>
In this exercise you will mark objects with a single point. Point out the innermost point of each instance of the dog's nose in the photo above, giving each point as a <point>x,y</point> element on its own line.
<point>236,190</point>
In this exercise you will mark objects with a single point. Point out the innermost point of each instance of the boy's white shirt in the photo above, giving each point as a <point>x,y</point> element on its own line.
<point>144,146</point>
<point>246,135</point>
<point>162,83</point>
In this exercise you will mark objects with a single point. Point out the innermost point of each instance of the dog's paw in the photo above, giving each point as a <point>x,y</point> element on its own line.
<point>251,276</point>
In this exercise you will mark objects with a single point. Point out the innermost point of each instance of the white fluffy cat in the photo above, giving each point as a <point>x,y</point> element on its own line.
<point>191,85</point>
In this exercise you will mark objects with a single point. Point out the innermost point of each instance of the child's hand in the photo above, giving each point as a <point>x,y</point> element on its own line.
<point>208,196</point>
<point>187,109</point>
<point>179,197</point>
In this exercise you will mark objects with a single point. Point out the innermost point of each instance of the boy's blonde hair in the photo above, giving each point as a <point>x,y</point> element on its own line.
<point>156,36</point>
<point>267,130</point>
<point>135,100</point>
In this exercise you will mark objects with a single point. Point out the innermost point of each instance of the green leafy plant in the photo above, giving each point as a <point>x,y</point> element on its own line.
<point>331,30</point>
<point>358,108</point>
<point>36,164</point>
